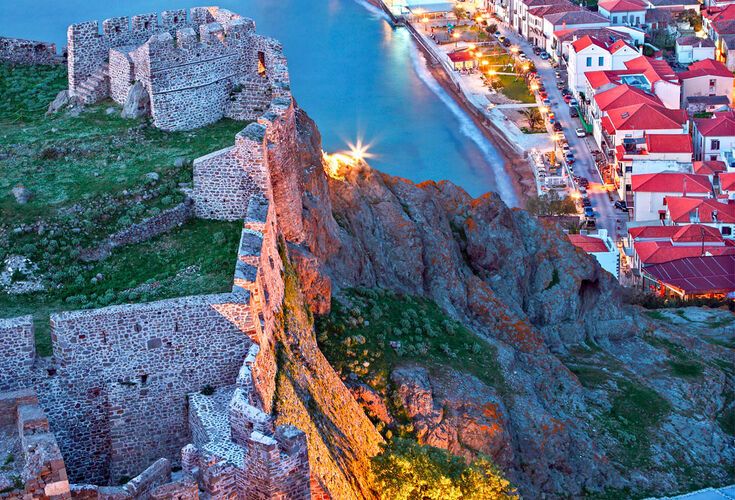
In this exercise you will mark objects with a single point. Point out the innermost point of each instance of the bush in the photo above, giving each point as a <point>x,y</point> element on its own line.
<point>407,470</point>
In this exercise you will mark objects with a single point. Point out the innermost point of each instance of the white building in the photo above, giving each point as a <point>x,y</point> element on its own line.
<point>592,54</point>
<point>601,247</point>
<point>627,12</point>
<point>714,137</point>
<point>691,48</point>
<point>650,190</point>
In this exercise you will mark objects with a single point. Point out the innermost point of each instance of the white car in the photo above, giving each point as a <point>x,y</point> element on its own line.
<point>580,132</point>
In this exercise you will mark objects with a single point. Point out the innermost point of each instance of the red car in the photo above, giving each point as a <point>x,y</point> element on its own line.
<point>567,98</point>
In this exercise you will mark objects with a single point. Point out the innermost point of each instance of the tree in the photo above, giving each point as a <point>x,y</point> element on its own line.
<point>551,204</point>
<point>692,17</point>
<point>406,470</point>
<point>533,117</point>
<point>459,12</point>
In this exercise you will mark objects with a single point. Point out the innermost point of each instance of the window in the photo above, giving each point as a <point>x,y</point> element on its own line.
<point>615,19</point>
<point>261,63</point>
<point>625,19</point>
<point>600,61</point>
<point>726,231</point>
<point>712,82</point>
<point>715,144</point>
<point>589,62</point>
<point>629,168</point>
<point>713,157</point>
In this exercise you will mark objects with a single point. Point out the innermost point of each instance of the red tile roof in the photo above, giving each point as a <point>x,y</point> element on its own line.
<point>607,125</point>
<point>706,67</point>
<point>589,244</point>
<point>670,182</point>
<point>657,252</point>
<point>669,143</point>
<point>696,233</point>
<point>566,35</point>
<point>727,181</point>
<point>697,275</point>
<point>622,5</point>
<point>695,41</point>
<point>720,14</point>
<point>617,45</point>
<point>681,208</point>
<point>576,17</point>
<point>586,41</point>
<point>646,117</point>
<point>598,79</point>
<point>653,69</point>
<point>709,167</point>
<point>678,234</point>
<point>624,95</point>
<point>720,125</point>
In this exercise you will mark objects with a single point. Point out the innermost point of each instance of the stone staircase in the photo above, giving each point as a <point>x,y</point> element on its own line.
<point>96,87</point>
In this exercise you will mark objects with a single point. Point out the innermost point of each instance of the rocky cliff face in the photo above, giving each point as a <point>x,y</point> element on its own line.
<point>593,398</point>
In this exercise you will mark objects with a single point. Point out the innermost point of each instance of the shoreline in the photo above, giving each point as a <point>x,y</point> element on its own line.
<point>516,165</point>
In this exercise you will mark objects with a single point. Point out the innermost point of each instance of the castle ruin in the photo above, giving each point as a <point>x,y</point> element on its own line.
<point>196,67</point>
<point>174,398</point>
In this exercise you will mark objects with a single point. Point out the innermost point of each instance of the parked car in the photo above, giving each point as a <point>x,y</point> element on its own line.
<point>590,223</point>
<point>621,205</point>
<point>551,120</point>
<point>588,212</point>
<point>547,102</point>
<point>573,102</point>
<point>557,74</point>
<point>580,132</point>
<point>502,39</point>
<point>583,182</point>
<point>586,202</point>
<point>567,98</point>
<point>542,94</point>
<point>558,127</point>
<point>573,113</point>
<point>560,85</point>
<point>498,35</point>
<point>544,55</point>
<point>566,91</point>
<point>537,50</point>
<point>506,43</point>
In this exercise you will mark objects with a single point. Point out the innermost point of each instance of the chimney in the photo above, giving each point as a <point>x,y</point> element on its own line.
<point>685,186</point>
<point>714,215</point>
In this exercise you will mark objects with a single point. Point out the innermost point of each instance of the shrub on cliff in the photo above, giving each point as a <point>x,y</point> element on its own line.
<point>407,470</point>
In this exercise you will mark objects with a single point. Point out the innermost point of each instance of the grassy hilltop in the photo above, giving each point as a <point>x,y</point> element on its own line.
<point>88,177</point>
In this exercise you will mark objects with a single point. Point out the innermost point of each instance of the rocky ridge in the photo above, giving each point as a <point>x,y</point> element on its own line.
<point>554,316</point>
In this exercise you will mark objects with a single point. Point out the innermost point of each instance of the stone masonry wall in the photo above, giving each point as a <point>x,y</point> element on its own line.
<point>41,464</point>
<point>17,352</point>
<point>88,48</point>
<point>115,389</point>
<point>26,52</point>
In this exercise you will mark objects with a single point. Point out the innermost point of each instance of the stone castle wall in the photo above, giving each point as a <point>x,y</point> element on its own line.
<point>196,68</point>
<point>27,52</point>
<point>122,389</point>
<point>17,352</point>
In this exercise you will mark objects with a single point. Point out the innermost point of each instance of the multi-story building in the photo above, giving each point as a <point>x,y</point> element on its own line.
<point>594,54</point>
<point>653,154</point>
<point>707,78</point>
<point>628,12</point>
<point>650,191</point>
<point>714,137</point>
<point>653,76</point>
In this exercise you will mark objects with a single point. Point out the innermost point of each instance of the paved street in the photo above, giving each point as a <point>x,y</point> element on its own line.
<point>607,216</point>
